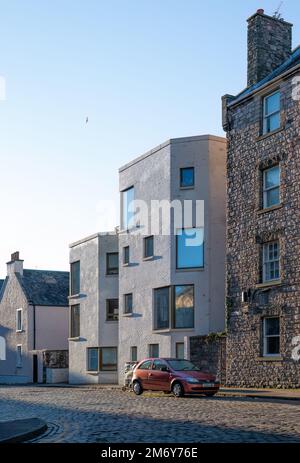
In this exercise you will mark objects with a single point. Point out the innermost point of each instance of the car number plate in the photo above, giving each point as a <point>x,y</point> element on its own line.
<point>208,384</point>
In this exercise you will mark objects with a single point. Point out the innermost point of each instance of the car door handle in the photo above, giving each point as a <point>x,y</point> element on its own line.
<point>150,374</point>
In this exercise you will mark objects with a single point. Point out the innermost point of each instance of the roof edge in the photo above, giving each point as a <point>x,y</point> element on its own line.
<point>92,237</point>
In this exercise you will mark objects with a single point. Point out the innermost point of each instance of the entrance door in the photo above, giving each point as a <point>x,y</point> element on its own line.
<point>35,368</point>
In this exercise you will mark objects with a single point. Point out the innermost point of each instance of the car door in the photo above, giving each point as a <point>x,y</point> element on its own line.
<point>142,373</point>
<point>159,380</point>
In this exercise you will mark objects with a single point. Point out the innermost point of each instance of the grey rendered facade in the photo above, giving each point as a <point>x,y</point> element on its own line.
<point>96,332</point>
<point>156,176</point>
<point>263,244</point>
<point>34,321</point>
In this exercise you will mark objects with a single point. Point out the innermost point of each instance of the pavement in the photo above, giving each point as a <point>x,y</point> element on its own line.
<point>282,394</point>
<point>93,414</point>
<point>21,430</point>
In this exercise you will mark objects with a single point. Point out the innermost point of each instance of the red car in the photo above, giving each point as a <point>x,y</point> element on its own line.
<point>172,375</point>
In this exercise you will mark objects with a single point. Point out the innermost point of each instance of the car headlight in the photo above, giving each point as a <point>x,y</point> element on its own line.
<point>192,380</point>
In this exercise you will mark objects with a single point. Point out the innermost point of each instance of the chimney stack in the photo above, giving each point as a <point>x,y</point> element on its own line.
<point>15,265</point>
<point>269,45</point>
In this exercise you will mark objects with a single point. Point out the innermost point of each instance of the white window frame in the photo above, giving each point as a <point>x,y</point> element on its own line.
<point>266,190</point>
<point>19,356</point>
<point>265,337</point>
<point>268,261</point>
<point>19,313</point>
<point>266,116</point>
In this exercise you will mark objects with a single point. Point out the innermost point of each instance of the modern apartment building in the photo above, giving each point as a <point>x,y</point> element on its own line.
<point>93,338</point>
<point>171,277</point>
<point>263,222</point>
<point>33,324</point>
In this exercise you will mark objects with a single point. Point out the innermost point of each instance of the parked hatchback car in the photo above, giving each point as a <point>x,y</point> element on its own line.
<point>172,375</point>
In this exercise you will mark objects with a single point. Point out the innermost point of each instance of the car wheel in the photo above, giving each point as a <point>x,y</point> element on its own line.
<point>210,394</point>
<point>178,390</point>
<point>137,388</point>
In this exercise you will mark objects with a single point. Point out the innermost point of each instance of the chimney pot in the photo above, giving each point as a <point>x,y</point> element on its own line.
<point>15,256</point>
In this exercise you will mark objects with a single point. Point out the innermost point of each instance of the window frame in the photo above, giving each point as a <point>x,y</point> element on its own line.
<point>101,359</point>
<point>126,312</point>
<point>111,270</point>
<point>150,347</point>
<point>72,334</point>
<point>268,261</point>
<point>181,343</point>
<point>177,248</point>
<point>123,225</point>
<point>19,317</point>
<point>182,169</point>
<point>108,301</point>
<point>19,359</point>
<point>145,241</point>
<point>265,190</point>
<point>132,348</point>
<point>72,265</point>
<point>266,116</point>
<point>169,288</point>
<point>126,257</point>
<point>88,359</point>
<point>172,308</point>
<point>265,337</point>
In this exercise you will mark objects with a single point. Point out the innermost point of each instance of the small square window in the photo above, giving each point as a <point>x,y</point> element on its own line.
<point>153,350</point>
<point>112,310</point>
<point>187,177</point>
<point>271,113</point>
<point>112,263</point>
<point>128,303</point>
<point>148,247</point>
<point>126,255</point>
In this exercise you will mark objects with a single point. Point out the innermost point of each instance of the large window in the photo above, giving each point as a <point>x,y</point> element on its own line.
<point>75,278</point>
<point>128,303</point>
<point>112,310</point>
<point>271,330</point>
<point>19,356</point>
<point>187,177</point>
<point>102,359</point>
<point>112,263</point>
<point>153,350</point>
<point>271,258</point>
<point>271,187</point>
<point>174,307</point>
<point>19,320</point>
<point>271,112</point>
<point>75,321</point>
<point>184,306</point>
<point>127,219</point>
<point>190,248</point>
<point>148,247</point>
<point>161,308</point>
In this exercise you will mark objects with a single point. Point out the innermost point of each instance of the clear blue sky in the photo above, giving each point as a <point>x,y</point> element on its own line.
<point>141,70</point>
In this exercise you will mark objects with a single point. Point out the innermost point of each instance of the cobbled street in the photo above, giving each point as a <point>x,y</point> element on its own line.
<point>90,414</point>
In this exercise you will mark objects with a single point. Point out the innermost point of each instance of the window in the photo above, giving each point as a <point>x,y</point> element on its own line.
<point>93,359</point>
<point>145,365</point>
<point>184,306</point>
<point>19,356</point>
<point>271,329</point>
<point>127,219</point>
<point>75,278</point>
<point>271,112</point>
<point>180,350</point>
<point>159,365</point>
<point>162,308</point>
<point>271,270</point>
<point>271,187</point>
<point>187,177</point>
<point>102,359</point>
<point>126,255</point>
<point>153,350</point>
<point>112,263</point>
<point>190,248</point>
<point>112,310</point>
<point>75,321</point>
<point>148,247</point>
<point>128,303</point>
<point>176,311</point>
<point>19,320</point>
<point>133,353</point>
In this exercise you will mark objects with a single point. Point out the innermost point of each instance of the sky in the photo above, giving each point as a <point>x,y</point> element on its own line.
<point>141,71</point>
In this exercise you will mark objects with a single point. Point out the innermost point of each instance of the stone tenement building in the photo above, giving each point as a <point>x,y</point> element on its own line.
<point>263,220</point>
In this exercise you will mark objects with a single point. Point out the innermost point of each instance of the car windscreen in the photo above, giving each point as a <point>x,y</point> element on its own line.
<point>182,365</point>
